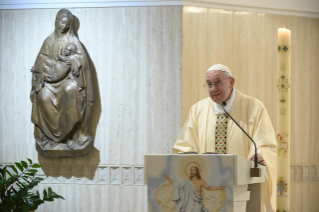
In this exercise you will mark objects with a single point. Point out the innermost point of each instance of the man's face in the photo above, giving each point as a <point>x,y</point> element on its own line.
<point>194,172</point>
<point>222,93</point>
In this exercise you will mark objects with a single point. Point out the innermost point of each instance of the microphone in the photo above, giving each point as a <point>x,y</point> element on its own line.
<point>254,172</point>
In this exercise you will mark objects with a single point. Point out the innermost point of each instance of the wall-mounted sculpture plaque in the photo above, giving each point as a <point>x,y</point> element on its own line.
<point>62,93</point>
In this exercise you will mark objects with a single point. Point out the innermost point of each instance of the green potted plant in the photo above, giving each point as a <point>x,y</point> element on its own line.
<point>16,188</point>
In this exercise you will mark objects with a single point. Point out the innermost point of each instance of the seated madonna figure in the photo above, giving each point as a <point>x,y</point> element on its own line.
<point>62,90</point>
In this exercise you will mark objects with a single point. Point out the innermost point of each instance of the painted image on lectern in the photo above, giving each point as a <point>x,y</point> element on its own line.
<point>190,184</point>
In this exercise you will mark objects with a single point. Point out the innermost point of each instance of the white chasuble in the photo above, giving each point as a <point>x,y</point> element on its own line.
<point>198,134</point>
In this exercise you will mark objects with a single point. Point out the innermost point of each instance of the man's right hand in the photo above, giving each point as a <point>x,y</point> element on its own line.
<point>221,187</point>
<point>166,176</point>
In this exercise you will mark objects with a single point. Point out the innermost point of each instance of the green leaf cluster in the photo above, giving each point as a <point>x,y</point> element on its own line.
<point>16,186</point>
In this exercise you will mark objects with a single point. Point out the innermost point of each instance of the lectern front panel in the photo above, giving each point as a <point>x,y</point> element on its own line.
<point>190,183</point>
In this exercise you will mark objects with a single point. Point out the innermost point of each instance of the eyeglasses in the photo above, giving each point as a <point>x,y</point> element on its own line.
<point>215,84</point>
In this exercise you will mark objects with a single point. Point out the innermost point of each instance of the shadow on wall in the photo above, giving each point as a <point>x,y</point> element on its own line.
<point>97,108</point>
<point>70,170</point>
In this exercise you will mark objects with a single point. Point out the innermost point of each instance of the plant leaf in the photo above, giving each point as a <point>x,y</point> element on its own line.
<point>50,191</point>
<point>30,161</point>
<point>35,198</point>
<point>19,186</point>
<point>21,183</point>
<point>2,171</point>
<point>19,166</point>
<point>14,169</point>
<point>54,195</point>
<point>25,208</point>
<point>39,178</point>
<point>48,199</point>
<point>30,203</point>
<point>26,179</point>
<point>36,165</point>
<point>8,173</point>
<point>36,181</point>
<point>58,196</point>
<point>45,194</point>
<point>15,191</point>
<point>24,164</point>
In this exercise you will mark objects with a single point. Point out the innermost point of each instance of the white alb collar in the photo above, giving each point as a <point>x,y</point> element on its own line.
<point>218,109</point>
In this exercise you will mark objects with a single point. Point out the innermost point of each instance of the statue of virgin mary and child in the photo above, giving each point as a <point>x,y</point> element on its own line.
<point>62,90</point>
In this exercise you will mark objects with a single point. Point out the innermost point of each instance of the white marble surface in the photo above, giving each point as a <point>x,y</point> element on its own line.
<point>137,58</point>
<point>310,8</point>
<point>136,54</point>
<point>96,198</point>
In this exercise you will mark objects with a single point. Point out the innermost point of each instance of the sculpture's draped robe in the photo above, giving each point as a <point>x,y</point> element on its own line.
<point>61,103</point>
<point>186,198</point>
<point>198,134</point>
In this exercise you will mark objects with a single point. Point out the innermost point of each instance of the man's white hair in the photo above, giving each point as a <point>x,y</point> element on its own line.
<point>222,68</point>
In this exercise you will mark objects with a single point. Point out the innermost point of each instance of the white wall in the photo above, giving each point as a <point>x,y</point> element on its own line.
<point>306,8</point>
<point>136,53</point>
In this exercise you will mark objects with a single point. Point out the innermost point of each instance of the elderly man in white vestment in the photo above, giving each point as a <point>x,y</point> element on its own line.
<point>209,129</point>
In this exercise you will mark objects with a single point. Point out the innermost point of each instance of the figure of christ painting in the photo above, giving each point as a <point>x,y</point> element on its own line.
<point>189,184</point>
<point>187,194</point>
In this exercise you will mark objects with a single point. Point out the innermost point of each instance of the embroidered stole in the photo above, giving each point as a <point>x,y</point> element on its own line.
<point>221,133</point>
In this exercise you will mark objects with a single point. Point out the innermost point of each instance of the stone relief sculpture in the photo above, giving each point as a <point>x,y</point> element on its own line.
<point>62,93</point>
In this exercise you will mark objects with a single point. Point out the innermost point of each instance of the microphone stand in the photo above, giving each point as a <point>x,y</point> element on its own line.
<point>254,172</point>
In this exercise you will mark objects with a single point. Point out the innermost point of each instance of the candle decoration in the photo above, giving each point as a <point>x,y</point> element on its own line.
<point>283,119</point>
